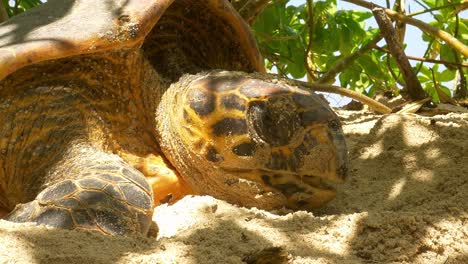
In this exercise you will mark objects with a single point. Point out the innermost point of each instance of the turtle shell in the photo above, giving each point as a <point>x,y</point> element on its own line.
<point>64,28</point>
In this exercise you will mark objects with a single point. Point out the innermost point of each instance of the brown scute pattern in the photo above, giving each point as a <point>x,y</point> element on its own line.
<point>213,155</point>
<point>233,101</point>
<point>110,210</point>
<point>291,163</point>
<point>189,38</point>
<point>136,177</point>
<point>308,143</point>
<point>92,183</point>
<point>68,203</point>
<point>56,217</point>
<point>203,103</point>
<point>58,191</point>
<point>107,167</point>
<point>112,178</point>
<point>91,197</point>
<point>244,149</point>
<point>230,126</point>
<point>114,191</point>
<point>136,197</point>
<point>278,162</point>
<point>82,218</point>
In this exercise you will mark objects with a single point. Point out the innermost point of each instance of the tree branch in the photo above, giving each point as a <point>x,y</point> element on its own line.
<point>376,106</point>
<point>400,27</point>
<point>449,39</point>
<point>3,12</point>
<point>396,49</point>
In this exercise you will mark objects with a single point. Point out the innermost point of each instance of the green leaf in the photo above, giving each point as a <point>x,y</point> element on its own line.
<point>446,75</point>
<point>447,53</point>
<point>371,67</point>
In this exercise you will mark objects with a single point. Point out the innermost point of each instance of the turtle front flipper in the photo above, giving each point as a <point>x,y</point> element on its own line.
<point>111,198</point>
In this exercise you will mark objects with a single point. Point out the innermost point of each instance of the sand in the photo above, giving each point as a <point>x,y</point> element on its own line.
<point>405,201</point>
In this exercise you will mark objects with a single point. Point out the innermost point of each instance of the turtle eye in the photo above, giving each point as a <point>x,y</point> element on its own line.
<point>334,124</point>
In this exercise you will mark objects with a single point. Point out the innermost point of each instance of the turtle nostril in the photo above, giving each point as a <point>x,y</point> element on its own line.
<point>273,122</point>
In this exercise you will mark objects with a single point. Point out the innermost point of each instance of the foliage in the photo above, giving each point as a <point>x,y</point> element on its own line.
<point>283,32</point>
<point>19,6</point>
<point>283,35</point>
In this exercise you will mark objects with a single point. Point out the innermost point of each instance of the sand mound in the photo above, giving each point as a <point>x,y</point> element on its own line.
<point>405,201</point>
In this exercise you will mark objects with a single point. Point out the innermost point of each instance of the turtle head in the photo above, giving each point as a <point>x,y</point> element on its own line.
<point>299,143</point>
<point>223,129</point>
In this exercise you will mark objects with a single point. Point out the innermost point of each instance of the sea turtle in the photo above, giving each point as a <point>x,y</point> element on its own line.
<point>108,108</point>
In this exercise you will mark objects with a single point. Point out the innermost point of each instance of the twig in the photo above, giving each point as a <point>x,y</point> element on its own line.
<point>461,91</point>
<point>426,53</point>
<point>376,106</point>
<point>427,59</point>
<point>412,83</point>
<point>346,61</point>
<point>433,9</point>
<point>449,39</point>
<point>422,4</point>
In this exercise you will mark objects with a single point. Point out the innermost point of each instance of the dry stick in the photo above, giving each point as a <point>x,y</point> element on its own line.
<point>449,39</point>
<point>400,27</point>
<point>376,106</point>
<point>3,12</point>
<point>412,83</point>
<point>346,61</point>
